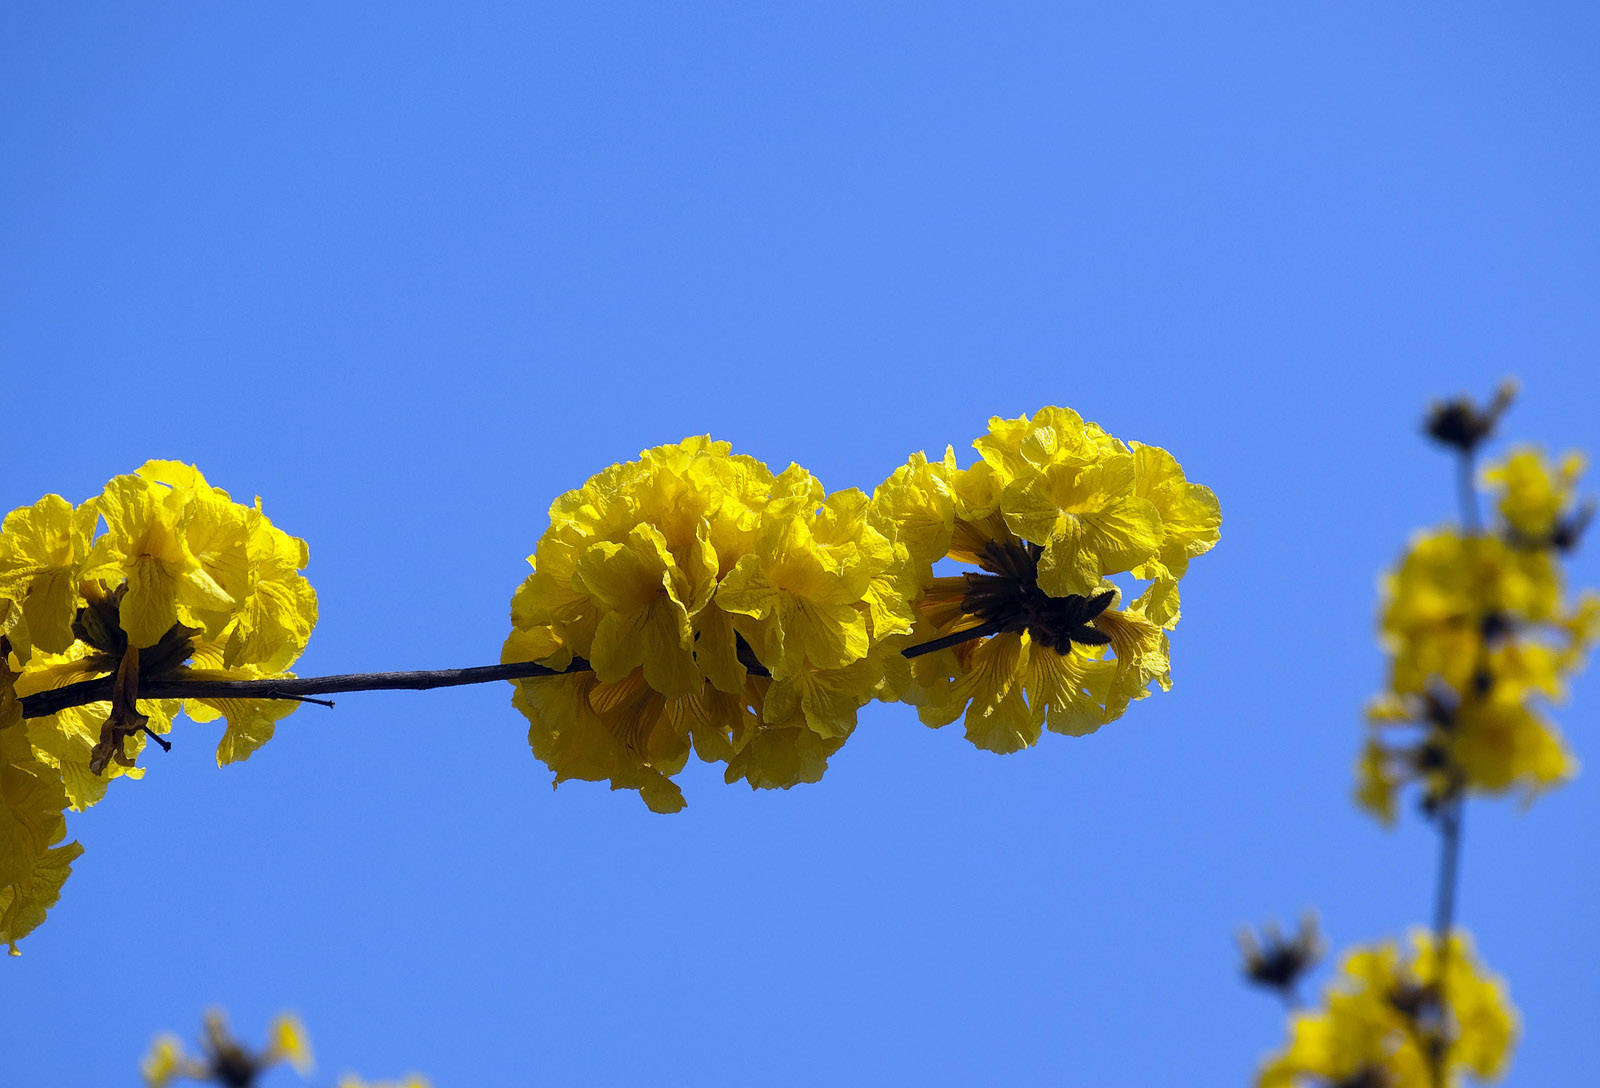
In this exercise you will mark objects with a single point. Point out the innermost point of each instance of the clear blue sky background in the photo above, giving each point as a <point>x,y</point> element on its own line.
<point>409,271</point>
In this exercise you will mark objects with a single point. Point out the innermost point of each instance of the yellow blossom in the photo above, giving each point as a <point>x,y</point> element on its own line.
<point>1055,508</point>
<point>1438,598</point>
<point>1069,487</point>
<point>1480,635</point>
<point>198,585</point>
<point>42,550</point>
<point>66,740</point>
<point>288,1042</point>
<point>33,863</point>
<point>183,582</point>
<point>223,1059</point>
<point>1533,494</point>
<point>190,554</point>
<point>1500,743</point>
<point>165,1063</point>
<point>724,610</point>
<point>1383,1013</point>
<point>146,546</point>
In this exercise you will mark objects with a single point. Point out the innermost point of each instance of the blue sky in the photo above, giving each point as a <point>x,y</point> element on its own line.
<point>408,273</point>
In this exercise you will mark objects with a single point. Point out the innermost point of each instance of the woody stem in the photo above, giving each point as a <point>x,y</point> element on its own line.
<point>303,688</point>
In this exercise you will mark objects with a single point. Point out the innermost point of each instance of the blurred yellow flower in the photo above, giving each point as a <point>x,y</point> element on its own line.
<point>165,1062</point>
<point>223,1059</point>
<point>288,1042</point>
<point>1480,635</point>
<point>1533,494</point>
<point>1385,1012</point>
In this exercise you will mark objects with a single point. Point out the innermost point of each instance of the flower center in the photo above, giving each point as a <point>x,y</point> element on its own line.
<point>1008,598</point>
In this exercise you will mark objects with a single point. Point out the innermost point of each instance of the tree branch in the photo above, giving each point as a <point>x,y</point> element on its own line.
<point>97,690</point>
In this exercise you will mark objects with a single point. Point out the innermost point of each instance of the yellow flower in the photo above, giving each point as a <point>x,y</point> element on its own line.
<point>191,554</point>
<point>33,864</point>
<point>1385,1011</point>
<point>66,740</point>
<point>1070,487</point>
<point>645,600</point>
<point>165,1063</point>
<point>1500,743</point>
<point>288,1042</point>
<point>410,1080</point>
<point>182,574</point>
<point>146,546</point>
<point>1437,600</point>
<point>1479,633</point>
<point>723,609</point>
<point>1533,493</point>
<point>1379,775</point>
<point>42,550</point>
<point>249,723</point>
<point>1191,524</point>
<point>10,703</point>
<point>1039,636</point>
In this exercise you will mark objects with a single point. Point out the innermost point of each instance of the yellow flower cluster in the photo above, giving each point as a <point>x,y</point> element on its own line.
<point>718,606</point>
<point>1534,495</point>
<point>182,583</point>
<point>223,1059</point>
<point>1480,633</point>
<point>1039,635</point>
<point>1382,1017</point>
<point>748,616</point>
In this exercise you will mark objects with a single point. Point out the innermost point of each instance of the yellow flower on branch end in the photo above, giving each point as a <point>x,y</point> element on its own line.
<point>1039,636</point>
<point>182,582</point>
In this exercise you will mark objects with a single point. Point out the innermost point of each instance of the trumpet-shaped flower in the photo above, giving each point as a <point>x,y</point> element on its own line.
<point>146,546</point>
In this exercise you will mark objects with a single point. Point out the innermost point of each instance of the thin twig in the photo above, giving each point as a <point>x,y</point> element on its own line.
<point>97,690</point>
<point>303,688</point>
<point>1449,814</point>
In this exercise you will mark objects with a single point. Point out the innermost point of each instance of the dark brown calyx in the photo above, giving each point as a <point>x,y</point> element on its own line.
<point>1009,599</point>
